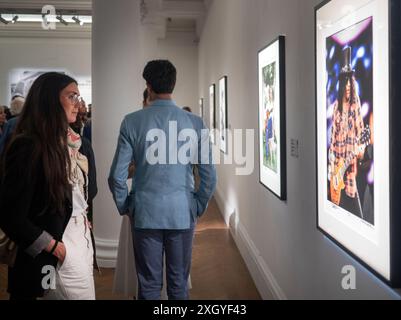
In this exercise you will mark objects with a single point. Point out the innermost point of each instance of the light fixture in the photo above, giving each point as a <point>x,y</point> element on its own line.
<point>3,20</point>
<point>44,17</point>
<point>15,19</point>
<point>60,18</point>
<point>45,14</point>
<point>76,19</point>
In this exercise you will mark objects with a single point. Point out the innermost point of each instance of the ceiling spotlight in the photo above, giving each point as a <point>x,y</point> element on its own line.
<point>45,14</point>
<point>76,19</point>
<point>44,17</point>
<point>60,18</point>
<point>3,20</point>
<point>15,19</point>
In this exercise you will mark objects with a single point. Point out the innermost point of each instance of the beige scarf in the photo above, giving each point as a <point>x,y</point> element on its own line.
<point>79,163</point>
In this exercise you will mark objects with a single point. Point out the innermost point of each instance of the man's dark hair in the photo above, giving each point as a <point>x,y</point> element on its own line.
<point>161,75</point>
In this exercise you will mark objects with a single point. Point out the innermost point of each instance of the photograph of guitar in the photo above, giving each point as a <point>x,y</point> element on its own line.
<point>350,179</point>
<point>337,183</point>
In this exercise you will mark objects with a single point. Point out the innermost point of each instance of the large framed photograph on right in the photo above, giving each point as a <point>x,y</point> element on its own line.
<point>356,103</point>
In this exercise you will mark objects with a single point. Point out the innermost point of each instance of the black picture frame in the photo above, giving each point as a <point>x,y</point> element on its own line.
<point>212,112</point>
<point>279,188</point>
<point>223,114</point>
<point>392,261</point>
<point>201,108</point>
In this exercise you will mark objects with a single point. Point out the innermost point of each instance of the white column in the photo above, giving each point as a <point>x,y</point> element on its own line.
<point>149,45</point>
<point>117,90</point>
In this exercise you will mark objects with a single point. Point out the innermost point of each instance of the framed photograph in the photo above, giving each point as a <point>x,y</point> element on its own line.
<point>357,101</point>
<point>272,131</point>
<point>21,80</point>
<point>212,112</point>
<point>201,114</point>
<point>223,112</point>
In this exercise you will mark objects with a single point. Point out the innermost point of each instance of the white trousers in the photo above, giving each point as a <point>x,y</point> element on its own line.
<point>74,278</point>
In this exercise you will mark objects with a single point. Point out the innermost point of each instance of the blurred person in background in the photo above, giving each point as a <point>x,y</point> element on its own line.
<point>16,107</point>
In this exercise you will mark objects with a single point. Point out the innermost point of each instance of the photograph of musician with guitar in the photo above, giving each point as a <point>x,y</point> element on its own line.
<point>350,148</point>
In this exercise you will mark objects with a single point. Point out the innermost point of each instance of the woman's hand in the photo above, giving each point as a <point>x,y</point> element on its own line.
<point>59,252</point>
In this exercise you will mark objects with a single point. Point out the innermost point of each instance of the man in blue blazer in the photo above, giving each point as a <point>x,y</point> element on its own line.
<point>164,142</point>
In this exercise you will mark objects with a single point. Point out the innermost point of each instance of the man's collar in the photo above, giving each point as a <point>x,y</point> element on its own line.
<point>163,103</point>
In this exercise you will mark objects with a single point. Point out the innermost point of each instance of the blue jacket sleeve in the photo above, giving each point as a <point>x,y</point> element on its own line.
<point>119,172</point>
<point>207,172</point>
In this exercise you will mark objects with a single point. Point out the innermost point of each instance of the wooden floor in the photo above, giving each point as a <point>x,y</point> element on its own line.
<point>218,270</point>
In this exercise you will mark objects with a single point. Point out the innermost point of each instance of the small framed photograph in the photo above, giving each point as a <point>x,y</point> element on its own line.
<point>272,129</point>
<point>223,114</point>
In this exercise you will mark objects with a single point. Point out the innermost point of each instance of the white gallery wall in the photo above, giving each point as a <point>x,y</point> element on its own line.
<point>286,254</point>
<point>47,53</point>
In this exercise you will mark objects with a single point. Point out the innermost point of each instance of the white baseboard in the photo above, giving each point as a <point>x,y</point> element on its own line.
<point>221,203</point>
<point>106,252</point>
<point>262,276</point>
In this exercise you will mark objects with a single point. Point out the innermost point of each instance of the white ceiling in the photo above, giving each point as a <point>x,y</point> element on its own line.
<point>162,15</point>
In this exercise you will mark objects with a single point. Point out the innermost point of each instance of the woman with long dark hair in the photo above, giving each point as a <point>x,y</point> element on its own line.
<point>43,196</point>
